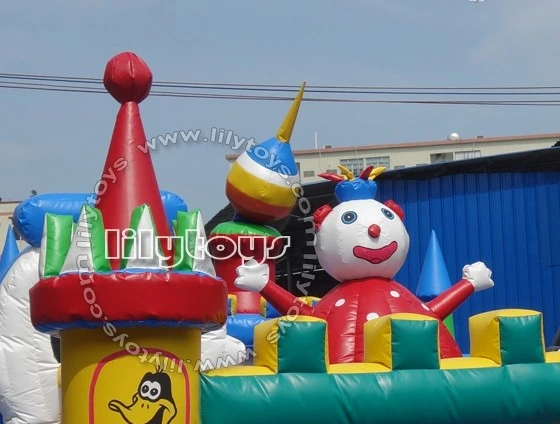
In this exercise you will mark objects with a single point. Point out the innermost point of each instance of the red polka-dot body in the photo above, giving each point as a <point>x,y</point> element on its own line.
<point>350,305</point>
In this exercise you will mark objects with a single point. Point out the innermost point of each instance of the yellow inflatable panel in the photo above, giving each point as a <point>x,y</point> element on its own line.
<point>239,371</point>
<point>287,333</point>
<point>552,357</point>
<point>487,341</point>
<point>265,344</point>
<point>233,308</point>
<point>357,368</point>
<point>130,375</point>
<point>378,337</point>
<point>309,299</point>
<point>464,363</point>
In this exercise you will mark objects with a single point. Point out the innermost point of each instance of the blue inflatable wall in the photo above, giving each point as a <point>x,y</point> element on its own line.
<point>29,215</point>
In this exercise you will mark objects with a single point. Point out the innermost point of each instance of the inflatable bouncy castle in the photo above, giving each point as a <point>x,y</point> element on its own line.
<point>26,355</point>
<point>113,282</point>
<point>50,224</point>
<point>112,287</point>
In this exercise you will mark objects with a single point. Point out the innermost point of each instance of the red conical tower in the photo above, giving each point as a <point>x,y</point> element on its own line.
<point>128,179</point>
<point>115,323</point>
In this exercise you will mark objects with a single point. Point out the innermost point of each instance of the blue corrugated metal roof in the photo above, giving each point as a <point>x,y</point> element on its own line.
<point>510,221</point>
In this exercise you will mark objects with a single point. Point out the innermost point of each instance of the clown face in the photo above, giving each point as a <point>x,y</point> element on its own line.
<point>361,238</point>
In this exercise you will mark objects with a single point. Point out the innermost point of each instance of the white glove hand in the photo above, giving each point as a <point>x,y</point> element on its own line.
<point>479,275</point>
<point>252,276</point>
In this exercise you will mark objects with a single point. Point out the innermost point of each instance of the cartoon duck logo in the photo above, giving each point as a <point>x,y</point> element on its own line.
<point>152,404</point>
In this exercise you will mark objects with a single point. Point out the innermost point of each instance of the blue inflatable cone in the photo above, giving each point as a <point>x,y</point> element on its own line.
<point>434,278</point>
<point>9,254</point>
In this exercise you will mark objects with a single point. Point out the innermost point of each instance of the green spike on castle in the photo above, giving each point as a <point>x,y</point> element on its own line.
<point>65,241</point>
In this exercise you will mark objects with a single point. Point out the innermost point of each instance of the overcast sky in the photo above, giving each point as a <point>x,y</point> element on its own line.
<point>58,141</point>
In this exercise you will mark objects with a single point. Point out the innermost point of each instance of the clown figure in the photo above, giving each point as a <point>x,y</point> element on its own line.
<point>363,243</point>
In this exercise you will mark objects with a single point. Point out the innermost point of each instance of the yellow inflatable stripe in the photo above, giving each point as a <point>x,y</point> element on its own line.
<point>259,189</point>
<point>240,371</point>
<point>266,344</point>
<point>262,307</point>
<point>408,317</point>
<point>309,299</point>
<point>377,335</point>
<point>302,318</point>
<point>552,357</point>
<point>463,363</point>
<point>357,368</point>
<point>233,303</point>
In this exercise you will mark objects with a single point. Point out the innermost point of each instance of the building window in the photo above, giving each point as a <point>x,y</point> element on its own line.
<point>441,157</point>
<point>399,167</point>
<point>332,171</point>
<point>355,165</point>
<point>298,168</point>
<point>308,174</point>
<point>376,161</point>
<point>467,155</point>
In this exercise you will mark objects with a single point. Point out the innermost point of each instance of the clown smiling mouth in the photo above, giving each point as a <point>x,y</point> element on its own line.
<point>376,256</point>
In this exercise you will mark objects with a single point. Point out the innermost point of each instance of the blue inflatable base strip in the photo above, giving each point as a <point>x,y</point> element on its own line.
<point>271,311</point>
<point>241,327</point>
<point>54,328</point>
<point>142,271</point>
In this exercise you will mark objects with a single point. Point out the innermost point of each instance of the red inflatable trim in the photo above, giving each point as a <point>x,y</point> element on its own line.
<point>129,297</point>
<point>254,209</point>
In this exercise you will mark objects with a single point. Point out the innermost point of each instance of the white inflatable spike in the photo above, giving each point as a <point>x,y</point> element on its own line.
<point>142,248</point>
<point>202,263</point>
<point>87,251</point>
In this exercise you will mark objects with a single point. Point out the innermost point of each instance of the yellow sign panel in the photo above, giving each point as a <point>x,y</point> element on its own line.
<point>130,375</point>
<point>150,389</point>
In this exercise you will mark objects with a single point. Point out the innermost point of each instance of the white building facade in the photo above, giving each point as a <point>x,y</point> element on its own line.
<point>312,162</point>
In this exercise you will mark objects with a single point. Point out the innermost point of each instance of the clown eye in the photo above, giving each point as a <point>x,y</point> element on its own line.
<point>349,217</point>
<point>387,213</point>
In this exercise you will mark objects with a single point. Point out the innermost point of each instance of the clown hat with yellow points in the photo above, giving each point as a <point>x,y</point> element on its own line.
<point>351,188</point>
